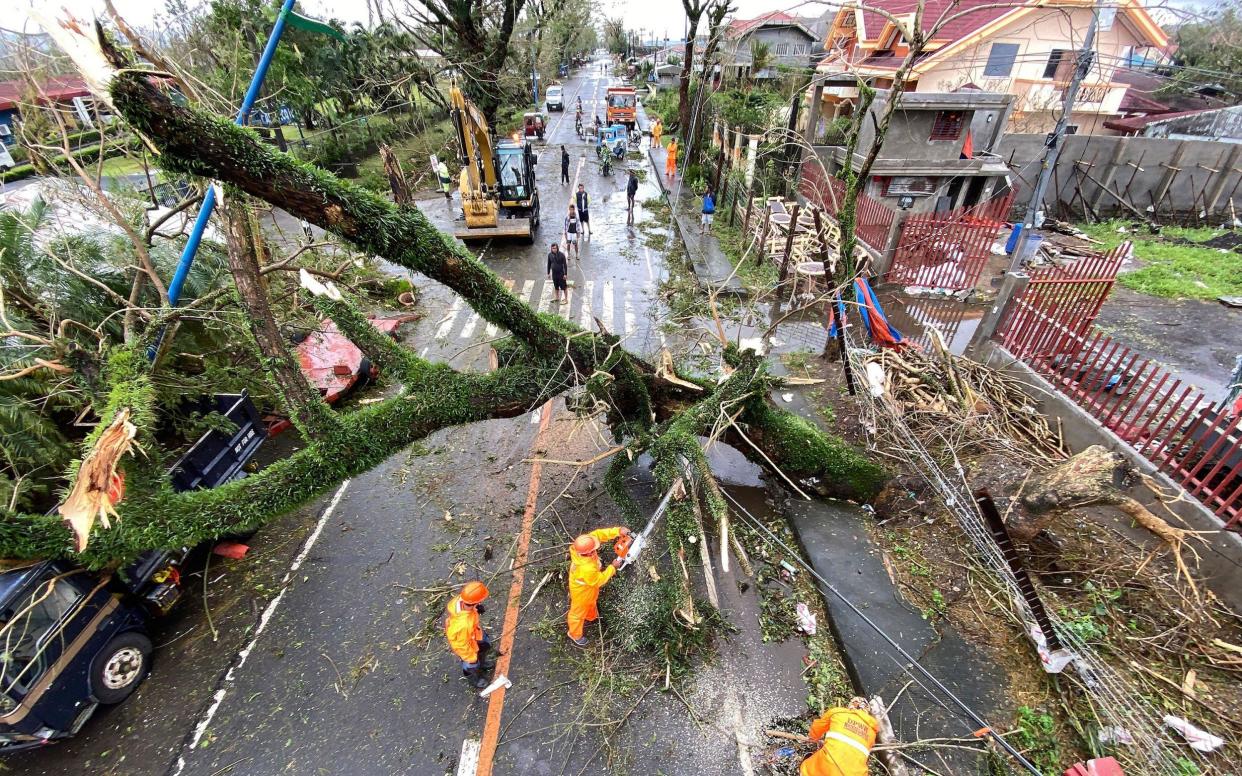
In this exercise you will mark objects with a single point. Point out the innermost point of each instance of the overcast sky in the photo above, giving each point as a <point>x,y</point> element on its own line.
<point>654,16</point>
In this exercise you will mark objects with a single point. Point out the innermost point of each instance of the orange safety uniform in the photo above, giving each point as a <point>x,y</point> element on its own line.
<point>657,129</point>
<point>462,630</point>
<point>586,576</point>
<point>670,163</point>
<point>848,736</point>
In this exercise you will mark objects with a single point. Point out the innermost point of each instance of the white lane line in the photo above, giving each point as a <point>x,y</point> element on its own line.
<point>468,763</point>
<point>467,331</point>
<point>587,297</point>
<point>264,619</point>
<point>545,297</point>
<point>631,318</point>
<point>528,292</point>
<point>647,256</point>
<point>606,308</point>
<point>450,318</point>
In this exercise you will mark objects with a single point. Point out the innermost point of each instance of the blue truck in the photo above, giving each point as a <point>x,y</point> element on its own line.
<point>72,640</point>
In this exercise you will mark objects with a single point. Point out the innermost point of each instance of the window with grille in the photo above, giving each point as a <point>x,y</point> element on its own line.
<point>1001,59</point>
<point>948,125</point>
<point>1053,68</point>
<point>913,185</point>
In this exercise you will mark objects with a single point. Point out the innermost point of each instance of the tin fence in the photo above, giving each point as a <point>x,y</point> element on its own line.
<point>1050,328</point>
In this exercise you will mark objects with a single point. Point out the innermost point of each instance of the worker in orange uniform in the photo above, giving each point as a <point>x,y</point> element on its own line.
<point>657,129</point>
<point>670,163</point>
<point>586,576</point>
<point>848,735</point>
<point>466,637</point>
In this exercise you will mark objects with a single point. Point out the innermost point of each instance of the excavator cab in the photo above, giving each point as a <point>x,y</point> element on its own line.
<point>515,167</point>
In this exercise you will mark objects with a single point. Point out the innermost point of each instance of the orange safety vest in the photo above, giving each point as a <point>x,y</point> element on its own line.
<point>848,736</point>
<point>461,628</point>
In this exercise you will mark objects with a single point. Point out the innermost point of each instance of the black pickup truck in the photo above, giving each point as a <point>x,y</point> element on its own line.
<point>72,639</point>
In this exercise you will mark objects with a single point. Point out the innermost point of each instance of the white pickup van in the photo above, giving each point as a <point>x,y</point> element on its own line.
<point>555,98</point>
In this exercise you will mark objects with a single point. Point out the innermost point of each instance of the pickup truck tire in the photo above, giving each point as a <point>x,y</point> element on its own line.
<point>119,667</point>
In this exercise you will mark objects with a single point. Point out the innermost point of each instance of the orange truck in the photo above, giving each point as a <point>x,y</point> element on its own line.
<point>622,105</point>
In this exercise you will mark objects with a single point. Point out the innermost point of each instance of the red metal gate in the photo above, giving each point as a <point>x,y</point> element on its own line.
<point>948,250</point>
<point>1050,328</point>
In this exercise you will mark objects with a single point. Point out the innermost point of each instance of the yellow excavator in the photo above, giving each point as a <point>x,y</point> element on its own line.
<point>499,196</point>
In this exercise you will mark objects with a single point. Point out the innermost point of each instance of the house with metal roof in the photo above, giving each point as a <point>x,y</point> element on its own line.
<point>1027,49</point>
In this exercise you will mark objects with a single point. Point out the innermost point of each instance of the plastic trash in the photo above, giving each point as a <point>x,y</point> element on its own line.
<point>1054,661</point>
<point>785,752</point>
<point>1198,739</point>
<point>806,619</point>
<point>787,397</point>
<point>1116,734</point>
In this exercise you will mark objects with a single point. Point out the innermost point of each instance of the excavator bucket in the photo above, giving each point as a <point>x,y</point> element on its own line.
<point>505,227</point>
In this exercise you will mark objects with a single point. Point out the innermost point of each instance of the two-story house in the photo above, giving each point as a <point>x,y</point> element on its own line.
<point>1027,49</point>
<point>787,39</point>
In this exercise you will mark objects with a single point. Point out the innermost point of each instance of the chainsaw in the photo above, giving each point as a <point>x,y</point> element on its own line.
<point>629,547</point>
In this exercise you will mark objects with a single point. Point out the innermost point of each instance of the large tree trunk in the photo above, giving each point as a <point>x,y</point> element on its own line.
<point>306,409</point>
<point>694,11</point>
<point>553,355</point>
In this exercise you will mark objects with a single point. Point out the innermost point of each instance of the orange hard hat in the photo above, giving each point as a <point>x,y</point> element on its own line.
<point>474,592</point>
<point>586,544</point>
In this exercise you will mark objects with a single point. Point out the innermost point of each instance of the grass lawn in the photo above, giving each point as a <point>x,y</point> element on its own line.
<point>119,166</point>
<point>413,151</point>
<point>1176,264</point>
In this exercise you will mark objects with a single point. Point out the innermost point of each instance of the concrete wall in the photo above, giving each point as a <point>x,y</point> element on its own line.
<point>1220,564</point>
<point>1224,124</point>
<point>1177,179</point>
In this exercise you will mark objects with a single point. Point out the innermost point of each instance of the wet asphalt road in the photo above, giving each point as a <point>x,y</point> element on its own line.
<point>347,671</point>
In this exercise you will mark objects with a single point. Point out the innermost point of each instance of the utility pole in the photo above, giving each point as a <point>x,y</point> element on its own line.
<point>1052,148</point>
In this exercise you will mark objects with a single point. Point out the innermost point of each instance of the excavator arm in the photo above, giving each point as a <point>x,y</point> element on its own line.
<point>474,139</point>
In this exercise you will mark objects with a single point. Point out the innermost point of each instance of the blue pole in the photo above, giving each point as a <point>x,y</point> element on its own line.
<point>209,200</point>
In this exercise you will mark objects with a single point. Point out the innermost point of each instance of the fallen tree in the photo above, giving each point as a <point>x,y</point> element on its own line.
<point>647,408</point>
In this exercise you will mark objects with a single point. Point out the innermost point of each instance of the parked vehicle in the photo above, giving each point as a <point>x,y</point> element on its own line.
<point>76,639</point>
<point>533,125</point>
<point>555,98</point>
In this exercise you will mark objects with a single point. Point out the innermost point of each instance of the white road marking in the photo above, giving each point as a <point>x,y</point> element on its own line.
<point>450,318</point>
<point>631,319</point>
<point>587,299</point>
<point>468,763</point>
<point>528,292</point>
<point>467,331</point>
<point>264,619</point>
<point>647,256</point>
<point>545,296</point>
<point>606,305</point>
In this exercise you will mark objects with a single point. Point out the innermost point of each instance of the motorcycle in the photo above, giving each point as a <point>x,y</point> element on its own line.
<point>607,164</point>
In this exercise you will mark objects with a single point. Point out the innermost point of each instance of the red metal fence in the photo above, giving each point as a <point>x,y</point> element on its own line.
<point>948,250</point>
<point>872,218</point>
<point>1050,327</point>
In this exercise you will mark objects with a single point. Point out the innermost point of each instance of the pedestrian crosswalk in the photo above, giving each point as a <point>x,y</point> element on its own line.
<point>617,305</point>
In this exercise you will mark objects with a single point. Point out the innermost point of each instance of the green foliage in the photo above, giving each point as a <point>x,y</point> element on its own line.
<point>1212,42</point>
<point>1036,736</point>
<point>1176,263</point>
<point>754,110</point>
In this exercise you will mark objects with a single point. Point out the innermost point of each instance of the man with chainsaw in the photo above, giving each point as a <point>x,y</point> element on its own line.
<point>587,575</point>
<point>466,637</point>
<point>848,735</point>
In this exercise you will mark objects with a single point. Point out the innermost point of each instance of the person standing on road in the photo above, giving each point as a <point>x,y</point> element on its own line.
<point>631,190</point>
<point>670,163</point>
<point>564,166</point>
<point>709,210</point>
<point>572,228</point>
<point>558,270</point>
<point>848,735</point>
<point>445,181</point>
<point>657,129</point>
<point>466,637</point>
<point>583,201</point>
<point>586,576</point>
